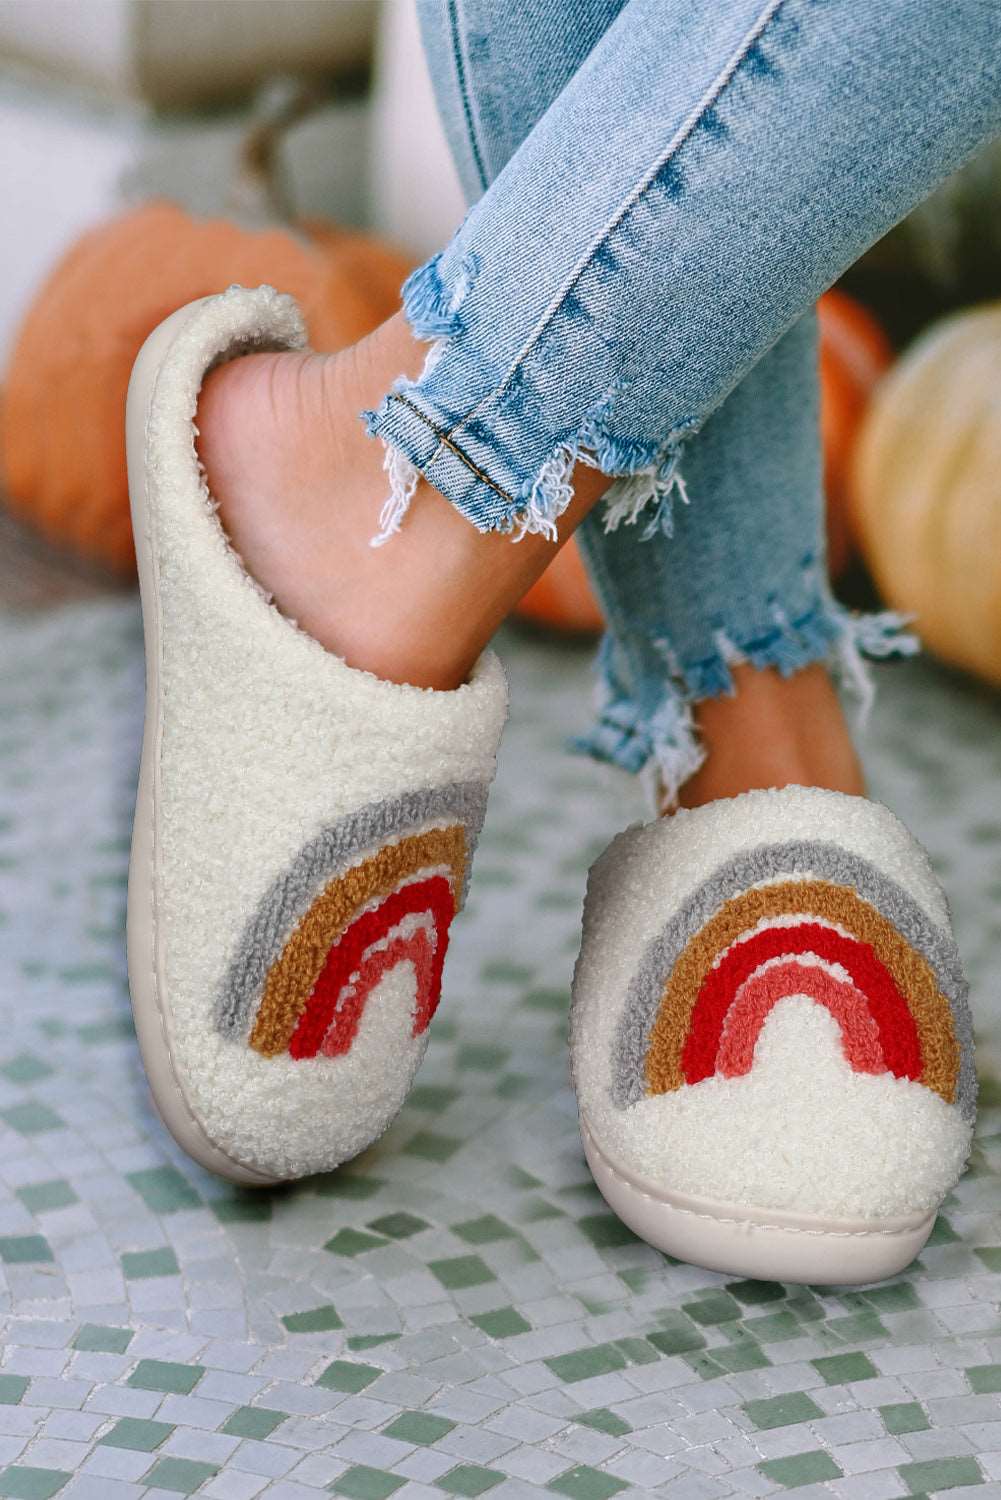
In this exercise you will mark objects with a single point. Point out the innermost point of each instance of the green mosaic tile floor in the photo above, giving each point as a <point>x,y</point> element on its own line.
<point>456,1313</point>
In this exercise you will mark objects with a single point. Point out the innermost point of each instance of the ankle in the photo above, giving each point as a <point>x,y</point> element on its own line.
<point>774,732</point>
<point>300,484</point>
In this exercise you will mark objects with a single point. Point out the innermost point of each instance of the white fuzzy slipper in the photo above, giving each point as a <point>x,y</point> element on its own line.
<point>771,1044</point>
<point>303,830</point>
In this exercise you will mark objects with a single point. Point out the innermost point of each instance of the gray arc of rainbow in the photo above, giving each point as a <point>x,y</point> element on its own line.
<point>766,863</point>
<point>332,851</point>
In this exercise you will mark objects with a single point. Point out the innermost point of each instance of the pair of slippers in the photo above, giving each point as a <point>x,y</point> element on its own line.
<point>770,1038</point>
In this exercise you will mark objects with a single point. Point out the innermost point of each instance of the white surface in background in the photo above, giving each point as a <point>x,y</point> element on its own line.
<point>91,39</point>
<point>67,163</point>
<point>61,168</point>
<point>174,51</point>
<point>416,199</point>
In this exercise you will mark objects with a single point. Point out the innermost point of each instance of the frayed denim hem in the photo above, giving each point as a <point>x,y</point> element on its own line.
<point>459,459</point>
<point>651,728</point>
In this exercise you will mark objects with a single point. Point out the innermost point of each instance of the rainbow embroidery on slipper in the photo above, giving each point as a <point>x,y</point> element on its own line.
<point>373,891</point>
<point>798,919</point>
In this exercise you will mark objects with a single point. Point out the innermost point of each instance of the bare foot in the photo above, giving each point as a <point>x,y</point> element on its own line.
<point>300,485</point>
<point>775,731</point>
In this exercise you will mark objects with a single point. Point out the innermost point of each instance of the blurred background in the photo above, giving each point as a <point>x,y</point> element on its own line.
<point>153,151</point>
<point>156,149</point>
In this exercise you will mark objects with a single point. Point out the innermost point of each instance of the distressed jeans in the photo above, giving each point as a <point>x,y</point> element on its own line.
<point>660,191</point>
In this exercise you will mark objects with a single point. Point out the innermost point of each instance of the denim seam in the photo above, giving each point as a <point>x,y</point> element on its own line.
<point>683,135</point>
<point>567,453</point>
<point>467,103</point>
<point>444,440</point>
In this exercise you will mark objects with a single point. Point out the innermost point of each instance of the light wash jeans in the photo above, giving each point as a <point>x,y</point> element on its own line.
<point>662,188</point>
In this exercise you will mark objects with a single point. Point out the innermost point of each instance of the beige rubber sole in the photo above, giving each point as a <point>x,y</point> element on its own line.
<point>765,1245</point>
<point>150,1000</point>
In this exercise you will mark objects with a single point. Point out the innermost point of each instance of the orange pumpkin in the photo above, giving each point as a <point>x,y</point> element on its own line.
<point>62,426</point>
<point>854,353</point>
<point>563,599</point>
<point>927,489</point>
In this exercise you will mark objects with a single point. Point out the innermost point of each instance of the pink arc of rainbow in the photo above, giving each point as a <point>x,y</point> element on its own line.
<point>764,989</point>
<point>871,982</point>
<point>330,1023</point>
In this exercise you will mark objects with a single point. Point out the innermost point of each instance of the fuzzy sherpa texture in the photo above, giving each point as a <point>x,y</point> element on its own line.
<point>801,1131</point>
<point>879,908</point>
<point>268,740</point>
<point>288,900</point>
<point>788,1133</point>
